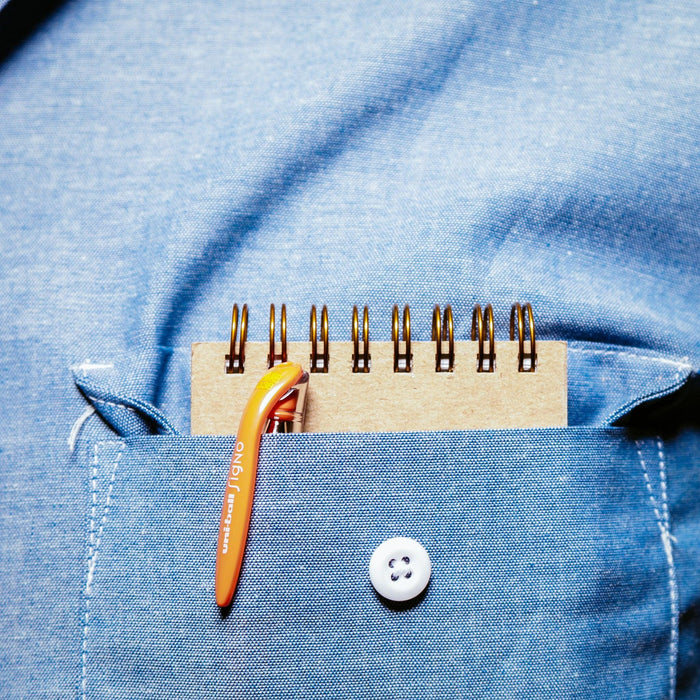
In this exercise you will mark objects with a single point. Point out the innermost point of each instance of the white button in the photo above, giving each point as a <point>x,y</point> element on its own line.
<point>400,569</point>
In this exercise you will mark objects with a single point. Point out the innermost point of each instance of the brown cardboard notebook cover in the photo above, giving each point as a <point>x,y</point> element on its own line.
<point>382,400</point>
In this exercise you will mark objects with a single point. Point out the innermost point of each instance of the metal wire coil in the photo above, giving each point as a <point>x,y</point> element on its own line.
<point>443,335</point>
<point>402,360</point>
<point>272,357</point>
<point>360,362</point>
<point>527,361</point>
<point>313,337</point>
<point>235,360</point>
<point>483,330</point>
<point>444,361</point>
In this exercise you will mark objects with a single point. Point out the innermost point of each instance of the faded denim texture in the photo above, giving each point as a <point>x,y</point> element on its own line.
<point>161,161</point>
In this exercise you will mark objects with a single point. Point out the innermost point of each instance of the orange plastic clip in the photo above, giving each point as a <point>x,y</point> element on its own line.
<point>276,405</point>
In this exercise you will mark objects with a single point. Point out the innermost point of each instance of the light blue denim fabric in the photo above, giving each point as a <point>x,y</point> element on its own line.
<point>161,161</point>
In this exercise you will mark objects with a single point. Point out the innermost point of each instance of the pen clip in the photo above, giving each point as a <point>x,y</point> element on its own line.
<point>276,405</point>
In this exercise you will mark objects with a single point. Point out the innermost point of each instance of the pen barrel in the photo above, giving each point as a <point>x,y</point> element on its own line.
<point>235,516</point>
<point>240,484</point>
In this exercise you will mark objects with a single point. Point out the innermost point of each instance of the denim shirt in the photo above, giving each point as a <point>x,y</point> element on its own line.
<point>163,161</point>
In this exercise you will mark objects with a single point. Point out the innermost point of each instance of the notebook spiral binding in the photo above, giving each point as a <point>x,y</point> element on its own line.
<point>482,331</point>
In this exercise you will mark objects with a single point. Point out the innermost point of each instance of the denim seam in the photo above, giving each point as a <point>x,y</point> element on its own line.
<point>90,390</point>
<point>677,383</point>
<point>663,522</point>
<point>672,576</point>
<point>94,540</point>
<point>137,405</point>
<point>94,399</point>
<point>682,366</point>
<point>682,363</point>
<point>87,365</point>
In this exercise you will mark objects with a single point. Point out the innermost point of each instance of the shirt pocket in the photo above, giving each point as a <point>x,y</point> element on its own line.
<point>551,552</point>
<point>552,556</point>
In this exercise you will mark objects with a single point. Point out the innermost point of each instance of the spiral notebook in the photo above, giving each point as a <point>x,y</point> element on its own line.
<point>368,385</point>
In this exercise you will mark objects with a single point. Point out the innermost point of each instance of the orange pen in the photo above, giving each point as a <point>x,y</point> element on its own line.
<point>276,405</point>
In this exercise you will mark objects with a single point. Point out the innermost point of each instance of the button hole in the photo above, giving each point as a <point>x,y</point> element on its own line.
<point>408,574</point>
<point>394,577</point>
<point>406,560</point>
<point>392,563</point>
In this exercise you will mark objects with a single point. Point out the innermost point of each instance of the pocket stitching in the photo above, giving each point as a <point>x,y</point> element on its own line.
<point>94,540</point>
<point>663,521</point>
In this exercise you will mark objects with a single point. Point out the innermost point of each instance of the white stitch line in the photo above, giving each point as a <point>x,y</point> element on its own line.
<point>662,482</point>
<point>92,553</point>
<point>647,481</point>
<point>667,540</point>
<point>93,509</point>
<point>140,406</point>
<point>111,403</point>
<point>672,579</point>
<point>75,430</point>
<point>85,366</point>
<point>681,364</point>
